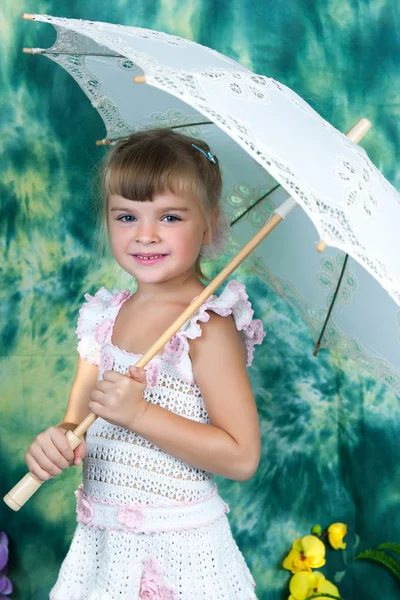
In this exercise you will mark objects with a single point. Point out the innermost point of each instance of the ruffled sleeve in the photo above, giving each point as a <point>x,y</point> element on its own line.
<point>232,301</point>
<point>96,318</point>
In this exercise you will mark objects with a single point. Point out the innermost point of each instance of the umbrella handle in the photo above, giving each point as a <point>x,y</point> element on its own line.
<point>29,484</point>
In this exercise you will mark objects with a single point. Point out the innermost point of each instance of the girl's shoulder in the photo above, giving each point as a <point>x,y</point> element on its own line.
<point>233,301</point>
<point>96,317</point>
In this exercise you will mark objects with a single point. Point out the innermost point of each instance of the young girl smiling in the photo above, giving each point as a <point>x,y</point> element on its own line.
<point>151,524</point>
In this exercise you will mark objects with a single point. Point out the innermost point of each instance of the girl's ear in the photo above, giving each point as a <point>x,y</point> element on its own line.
<point>213,226</point>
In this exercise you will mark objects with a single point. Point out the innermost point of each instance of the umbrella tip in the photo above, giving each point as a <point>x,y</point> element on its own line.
<point>139,79</point>
<point>321,246</point>
<point>103,142</point>
<point>358,130</point>
<point>28,17</point>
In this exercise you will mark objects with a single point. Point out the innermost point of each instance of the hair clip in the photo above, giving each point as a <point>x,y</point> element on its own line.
<point>208,155</point>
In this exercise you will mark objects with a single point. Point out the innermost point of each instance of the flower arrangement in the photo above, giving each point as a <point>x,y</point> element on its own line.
<point>6,587</point>
<point>308,553</point>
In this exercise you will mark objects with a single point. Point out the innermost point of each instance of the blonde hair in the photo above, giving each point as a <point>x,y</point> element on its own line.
<point>160,160</point>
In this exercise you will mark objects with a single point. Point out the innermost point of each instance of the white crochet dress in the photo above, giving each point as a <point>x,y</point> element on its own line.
<point>150,526</point>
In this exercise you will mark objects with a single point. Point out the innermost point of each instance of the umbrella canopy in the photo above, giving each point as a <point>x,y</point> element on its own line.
<point>263,134</point>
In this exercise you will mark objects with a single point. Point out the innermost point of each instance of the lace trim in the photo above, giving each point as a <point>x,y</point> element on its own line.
<point>97,317</point>
<point>149,519</point>
<point>232,301</point>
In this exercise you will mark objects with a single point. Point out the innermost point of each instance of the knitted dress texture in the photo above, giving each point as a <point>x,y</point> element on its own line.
<point>150,526</point>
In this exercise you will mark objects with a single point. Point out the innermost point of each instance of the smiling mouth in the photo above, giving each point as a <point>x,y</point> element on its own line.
<point>149,256</point>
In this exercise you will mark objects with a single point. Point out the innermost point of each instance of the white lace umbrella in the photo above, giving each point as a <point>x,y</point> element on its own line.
<point>262,133</point>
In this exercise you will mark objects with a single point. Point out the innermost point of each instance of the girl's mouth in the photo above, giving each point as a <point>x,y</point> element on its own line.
<point>149,259</point>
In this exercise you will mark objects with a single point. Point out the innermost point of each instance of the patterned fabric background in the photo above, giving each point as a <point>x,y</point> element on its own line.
<point>330,433</point>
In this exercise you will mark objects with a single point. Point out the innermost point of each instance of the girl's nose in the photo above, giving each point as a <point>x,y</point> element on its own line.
<point>147,233</point>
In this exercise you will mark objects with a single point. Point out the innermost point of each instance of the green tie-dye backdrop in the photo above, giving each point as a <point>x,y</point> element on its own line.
<point>330,433</point>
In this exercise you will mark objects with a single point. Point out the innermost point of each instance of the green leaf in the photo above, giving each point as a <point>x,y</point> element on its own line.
<point>320,595</point>
<point>395,547</point>
<point>382,559</point>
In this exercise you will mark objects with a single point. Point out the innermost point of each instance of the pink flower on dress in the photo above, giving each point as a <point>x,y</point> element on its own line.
<point>152,586</point>
<point>94,299</point>
<point>119,297</point>
<point>255,331</point>
<point>107,363</point>
<point>102,330</point>
<point>152,374</point>
<point>175,345</point>
<point>131,518</point>
<point>254,335</point>
<point>84,508</point>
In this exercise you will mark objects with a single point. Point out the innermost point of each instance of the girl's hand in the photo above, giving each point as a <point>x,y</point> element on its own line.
<point>49,454</point>
<point>119,399</point>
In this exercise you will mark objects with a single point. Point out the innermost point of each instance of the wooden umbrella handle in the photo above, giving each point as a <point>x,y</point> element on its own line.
<point>29,484</point>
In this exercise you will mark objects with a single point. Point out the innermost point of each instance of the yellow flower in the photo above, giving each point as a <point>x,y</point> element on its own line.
<point>303,585</point>
<point>307,553</point>
<point>336,533</point>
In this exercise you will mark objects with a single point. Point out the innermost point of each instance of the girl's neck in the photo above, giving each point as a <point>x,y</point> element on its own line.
<point>171,290</point>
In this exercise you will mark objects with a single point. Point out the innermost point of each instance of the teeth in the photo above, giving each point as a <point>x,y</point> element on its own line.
<point>149,257</point>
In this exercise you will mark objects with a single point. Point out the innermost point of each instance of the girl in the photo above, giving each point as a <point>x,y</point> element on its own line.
<point>150,522</point>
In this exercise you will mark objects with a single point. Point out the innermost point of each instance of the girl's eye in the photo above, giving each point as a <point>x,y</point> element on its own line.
<point>171,218</point>
<point>126,218</point>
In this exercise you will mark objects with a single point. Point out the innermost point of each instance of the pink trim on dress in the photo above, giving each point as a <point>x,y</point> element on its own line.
<point>120,297</point>
<point>84,508</point>
<point>102,330</point>
<point>152,373</point>
<point>130,518</point>
<point>89,347</point>
<point>173,503</point>
<point>250,329</point>
<point>106,363</point>
<point>152,586</point>
<point>232,301</point>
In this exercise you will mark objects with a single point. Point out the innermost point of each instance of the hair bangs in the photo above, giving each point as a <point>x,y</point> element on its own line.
<point>140,176</point>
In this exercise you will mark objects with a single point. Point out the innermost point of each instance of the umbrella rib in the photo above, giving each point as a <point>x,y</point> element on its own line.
<point>124,137</point>
<point>77,53</point>
<point>317,345</point>
<point>253,205</point>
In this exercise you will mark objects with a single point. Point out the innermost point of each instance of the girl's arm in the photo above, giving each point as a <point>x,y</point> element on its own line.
<point>49,453</point>
<point>85,382</point>
<point>230,445</point>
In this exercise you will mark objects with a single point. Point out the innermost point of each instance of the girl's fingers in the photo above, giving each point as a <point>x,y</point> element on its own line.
<point>98,409</point>
<point>61,443</point>
<point>43,461</point>
<point>104,386</point>
<point>43,449</point>
<point>36,469</point>
<point>79,453</point>
<point>138,374</point>
<point>97,396</point>
<point>112,376</point>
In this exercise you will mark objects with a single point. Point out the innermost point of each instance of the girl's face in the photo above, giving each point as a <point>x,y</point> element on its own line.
<point>159,240</point>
